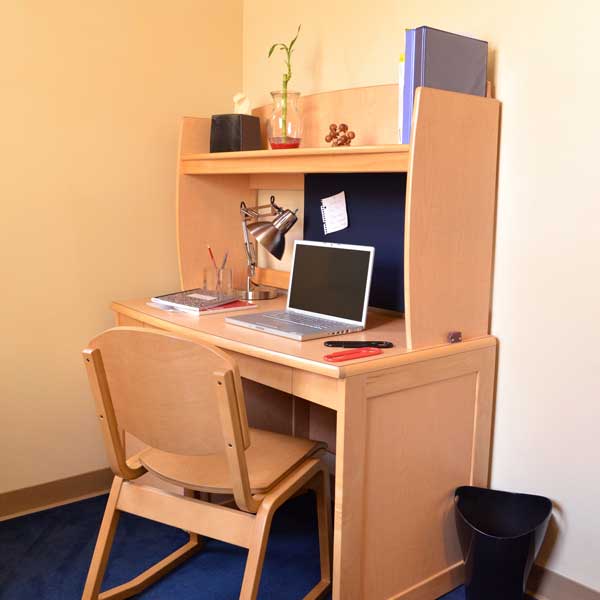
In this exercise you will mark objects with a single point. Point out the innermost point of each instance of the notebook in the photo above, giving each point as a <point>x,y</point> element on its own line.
<point>195,300</point>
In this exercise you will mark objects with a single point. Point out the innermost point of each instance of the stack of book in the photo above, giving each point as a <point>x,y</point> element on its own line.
<point>439,59</point>
<point>200,301</point>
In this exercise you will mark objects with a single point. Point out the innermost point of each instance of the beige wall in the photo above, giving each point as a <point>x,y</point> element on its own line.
<point>547,285</point>
<point>91,94</point>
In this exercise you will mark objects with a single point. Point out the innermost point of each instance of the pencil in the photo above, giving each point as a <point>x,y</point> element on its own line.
<point>212,257</point>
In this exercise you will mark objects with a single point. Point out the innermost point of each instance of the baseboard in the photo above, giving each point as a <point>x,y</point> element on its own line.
<point>544,584</point>
<point>435,586</point>
<point>47,495</point>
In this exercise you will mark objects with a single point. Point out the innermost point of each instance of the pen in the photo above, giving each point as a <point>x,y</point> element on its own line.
<point>359,344</point>
<point>225,259</point>
<point>212,256</point>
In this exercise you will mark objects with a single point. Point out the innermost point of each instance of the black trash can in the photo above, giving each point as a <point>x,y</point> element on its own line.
<point>500,535</point>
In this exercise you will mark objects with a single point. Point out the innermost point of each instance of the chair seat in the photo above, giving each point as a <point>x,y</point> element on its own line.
<point>270,457</point>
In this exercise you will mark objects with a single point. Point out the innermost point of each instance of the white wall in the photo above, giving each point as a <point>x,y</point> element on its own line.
<point>547,284</point>
<point>91,95</point>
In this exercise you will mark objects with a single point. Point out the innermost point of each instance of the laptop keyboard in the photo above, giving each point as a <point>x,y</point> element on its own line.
<point>307,321</point>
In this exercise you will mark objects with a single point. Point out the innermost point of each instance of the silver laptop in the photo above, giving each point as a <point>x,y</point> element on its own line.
<point>329,293</point>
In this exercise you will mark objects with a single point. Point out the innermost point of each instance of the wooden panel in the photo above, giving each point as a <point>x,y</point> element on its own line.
<point>371,112</point>
<point>301,418</point>
<point>162,390</point>
<point>227,524</point>
<point>484,416</point>
<point>268,373</point>
<point>428,455</point>
<point>268,408</point>
<point>194,135</point>
<point>317,388</point>
<point>450,212</point>
<point>349,159</point>
<point>208,212</point>
<point>430,371</point>
<point>125,321</point>
<point>323,426</point>
<point>285,181</point>
<point>273,278</point>
<point>349,536</point>
<point>441,412</point>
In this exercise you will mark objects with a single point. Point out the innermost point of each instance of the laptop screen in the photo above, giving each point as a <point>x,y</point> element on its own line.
<point>331,280</point>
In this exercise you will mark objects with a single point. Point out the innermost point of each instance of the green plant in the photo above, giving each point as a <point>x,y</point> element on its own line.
<point>288,49</point>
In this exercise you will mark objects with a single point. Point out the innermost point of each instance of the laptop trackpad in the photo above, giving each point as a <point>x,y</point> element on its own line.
<point>282,326</point>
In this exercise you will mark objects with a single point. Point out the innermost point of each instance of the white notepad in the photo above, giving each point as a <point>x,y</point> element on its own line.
<point>334,214</point>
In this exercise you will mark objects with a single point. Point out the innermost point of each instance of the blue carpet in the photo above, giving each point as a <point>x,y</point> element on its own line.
<point>46,556</point>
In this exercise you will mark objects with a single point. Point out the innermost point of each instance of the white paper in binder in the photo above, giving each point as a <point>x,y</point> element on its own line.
<point>334,214</point>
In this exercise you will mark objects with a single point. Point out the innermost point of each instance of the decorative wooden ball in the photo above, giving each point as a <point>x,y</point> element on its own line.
<point>339,135</point>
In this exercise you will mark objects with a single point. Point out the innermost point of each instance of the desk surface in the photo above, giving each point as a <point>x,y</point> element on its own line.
<point>308,355</point>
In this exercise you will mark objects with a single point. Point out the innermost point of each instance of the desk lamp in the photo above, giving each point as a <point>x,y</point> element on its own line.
<point>270,235</point>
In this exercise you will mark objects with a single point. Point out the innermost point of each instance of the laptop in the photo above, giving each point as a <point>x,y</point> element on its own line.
<point>328,295</point>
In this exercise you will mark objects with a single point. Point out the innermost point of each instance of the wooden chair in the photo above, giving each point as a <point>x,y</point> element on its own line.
<point>185,401</point>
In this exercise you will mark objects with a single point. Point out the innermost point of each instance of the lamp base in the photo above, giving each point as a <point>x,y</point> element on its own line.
<point>258,293</point>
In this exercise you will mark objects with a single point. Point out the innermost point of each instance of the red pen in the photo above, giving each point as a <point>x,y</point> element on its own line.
<point>212,256</point>
<point>352,354</point>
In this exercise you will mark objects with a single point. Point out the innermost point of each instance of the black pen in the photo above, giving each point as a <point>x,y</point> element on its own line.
<point>359,344</point>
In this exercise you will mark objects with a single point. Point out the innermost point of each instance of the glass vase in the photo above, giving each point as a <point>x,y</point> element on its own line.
<point>284,128</point>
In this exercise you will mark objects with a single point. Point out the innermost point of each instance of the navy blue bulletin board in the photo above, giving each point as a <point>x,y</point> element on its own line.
<point>376,204</point>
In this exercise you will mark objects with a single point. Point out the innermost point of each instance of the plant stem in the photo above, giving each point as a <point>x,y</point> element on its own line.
<point>284,105</point>
<point>284,99</point>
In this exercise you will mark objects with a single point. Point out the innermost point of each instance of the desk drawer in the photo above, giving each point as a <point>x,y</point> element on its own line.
<point>265,372</point>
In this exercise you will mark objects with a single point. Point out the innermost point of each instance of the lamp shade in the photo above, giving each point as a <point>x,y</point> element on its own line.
<point>271,236</point>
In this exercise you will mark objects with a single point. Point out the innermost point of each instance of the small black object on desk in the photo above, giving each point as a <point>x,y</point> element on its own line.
<point>234,132</point>
<point>359,344</point>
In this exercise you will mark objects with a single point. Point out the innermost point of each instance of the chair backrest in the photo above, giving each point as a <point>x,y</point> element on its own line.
<point>171,393</point>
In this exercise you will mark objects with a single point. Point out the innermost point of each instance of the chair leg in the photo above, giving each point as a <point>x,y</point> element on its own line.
<point>106,535</point>
<point>323,494</point>
<point>256,554</point>
<point>155,572</point>
<point>194,537</point>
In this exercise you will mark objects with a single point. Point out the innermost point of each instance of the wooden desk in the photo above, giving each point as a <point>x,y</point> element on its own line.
<point>410,426</point>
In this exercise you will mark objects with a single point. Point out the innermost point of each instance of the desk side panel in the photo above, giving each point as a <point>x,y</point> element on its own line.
<point>427,431</point>
<point>450,216</point>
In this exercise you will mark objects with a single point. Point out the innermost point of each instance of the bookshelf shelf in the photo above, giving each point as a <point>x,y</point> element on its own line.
<point>364,159</point>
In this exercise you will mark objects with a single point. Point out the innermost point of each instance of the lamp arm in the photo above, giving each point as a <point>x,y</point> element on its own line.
<point>249,247</point>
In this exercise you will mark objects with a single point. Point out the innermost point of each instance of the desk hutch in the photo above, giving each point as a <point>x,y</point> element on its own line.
<point>409,426</point>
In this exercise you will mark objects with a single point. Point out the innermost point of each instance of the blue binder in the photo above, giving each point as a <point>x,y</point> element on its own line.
<point>443,60</point>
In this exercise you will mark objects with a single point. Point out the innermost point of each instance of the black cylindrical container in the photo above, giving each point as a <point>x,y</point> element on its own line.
<point>500,535</point>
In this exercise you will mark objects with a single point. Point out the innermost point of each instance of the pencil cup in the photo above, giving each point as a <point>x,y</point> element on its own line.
<point>218,280</point>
